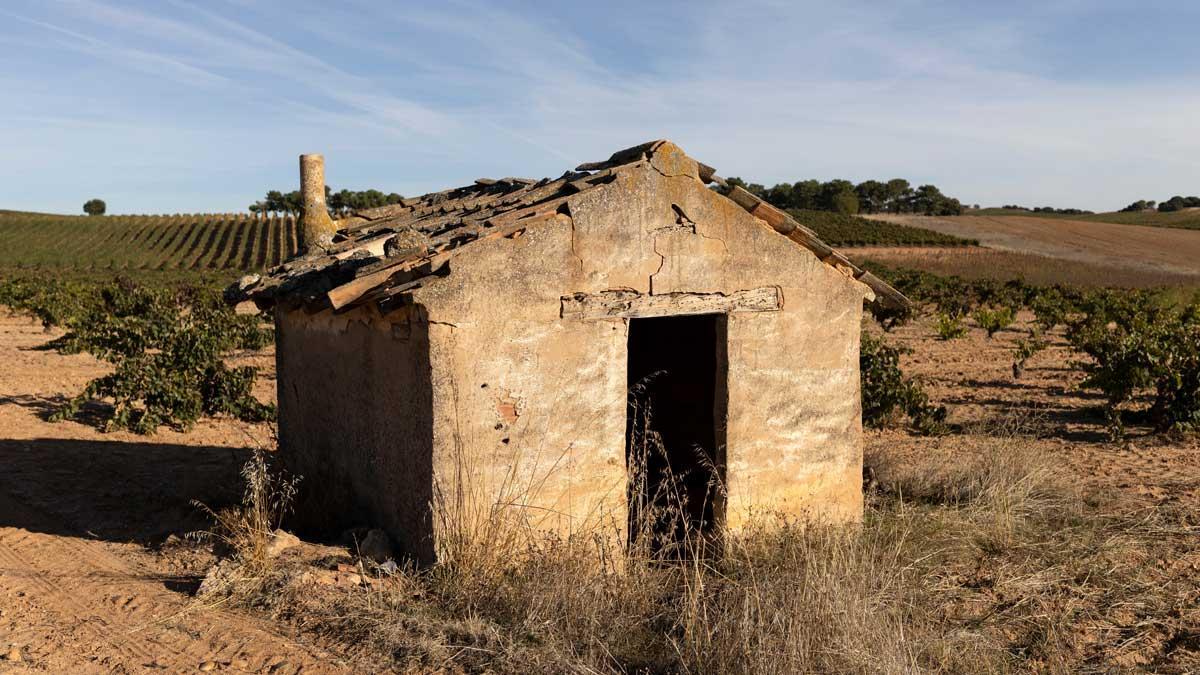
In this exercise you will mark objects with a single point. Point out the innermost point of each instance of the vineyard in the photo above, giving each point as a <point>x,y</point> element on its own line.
<point>229,241</point>
<point>841,230</point>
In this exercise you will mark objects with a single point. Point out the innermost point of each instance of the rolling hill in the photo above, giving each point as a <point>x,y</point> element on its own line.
<point>1188,219</point>
<point>224,241</point>
<point>242,241</point>
<point>1110,246</point>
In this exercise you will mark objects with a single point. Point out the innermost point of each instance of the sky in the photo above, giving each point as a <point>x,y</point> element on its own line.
<point>177,106</point>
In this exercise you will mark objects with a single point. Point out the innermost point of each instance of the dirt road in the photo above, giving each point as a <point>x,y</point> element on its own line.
<point>94,577</point>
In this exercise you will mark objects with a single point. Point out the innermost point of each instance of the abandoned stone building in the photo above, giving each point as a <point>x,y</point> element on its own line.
<point>517,341</point>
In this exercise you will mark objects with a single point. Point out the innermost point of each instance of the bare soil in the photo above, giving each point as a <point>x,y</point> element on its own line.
<point>96,575</point>
<point>977,262</point>
<point>973,377</point>
<point>1110,244</point>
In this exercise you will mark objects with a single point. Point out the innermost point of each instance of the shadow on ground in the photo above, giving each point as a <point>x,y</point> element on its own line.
<point>91,413</point>
<point>114,490</point>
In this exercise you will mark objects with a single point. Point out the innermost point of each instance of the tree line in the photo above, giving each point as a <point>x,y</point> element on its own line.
<point>339,202</point>
<point>1047,209</point>
<point>1176,203</point>
<point>842,196</point>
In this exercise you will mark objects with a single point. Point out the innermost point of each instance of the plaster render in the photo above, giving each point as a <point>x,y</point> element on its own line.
<point>496,396</point>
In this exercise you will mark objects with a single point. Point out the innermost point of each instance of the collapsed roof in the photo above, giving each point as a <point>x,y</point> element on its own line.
<point>380,254</point>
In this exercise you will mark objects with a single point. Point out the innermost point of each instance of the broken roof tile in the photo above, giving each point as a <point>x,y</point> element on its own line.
<point>362,266</point>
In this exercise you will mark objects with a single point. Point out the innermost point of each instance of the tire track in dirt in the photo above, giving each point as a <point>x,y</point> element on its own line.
<point>105,612</point>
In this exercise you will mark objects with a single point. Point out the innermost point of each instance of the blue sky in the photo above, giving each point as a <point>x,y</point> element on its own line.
<point>181,106</point>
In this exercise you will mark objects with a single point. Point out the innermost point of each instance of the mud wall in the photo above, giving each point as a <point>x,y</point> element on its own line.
<point>529,407</point>
<point>355,411</point>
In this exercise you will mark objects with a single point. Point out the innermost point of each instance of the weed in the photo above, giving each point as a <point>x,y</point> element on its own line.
<point>993,319</point>
<point>246,530</point>
<point>1025,349</point>
<point>950,326</point>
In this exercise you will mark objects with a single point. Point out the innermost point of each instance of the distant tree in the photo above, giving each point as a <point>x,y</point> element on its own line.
<point>845,203</point>
<point>930,201</point>
<point>927,200</point>
<point>806,194</point>
<point>898,194</point>
<point>842,196</point>
<point>1178,203</point>
<point>872,195</point>
<point>95,207</point>
<point>1140,205</point>
<point>340,202</point>
<point>292,202</point>
<point>831,192</point>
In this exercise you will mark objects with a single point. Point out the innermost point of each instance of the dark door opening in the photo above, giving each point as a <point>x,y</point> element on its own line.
<point>675,429</point>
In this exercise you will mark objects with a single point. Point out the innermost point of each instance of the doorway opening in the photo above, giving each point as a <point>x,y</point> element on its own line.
<point>675,430</point>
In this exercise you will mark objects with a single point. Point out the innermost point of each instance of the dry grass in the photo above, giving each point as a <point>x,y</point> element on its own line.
<point>246,532</point>
<point>985,563</point>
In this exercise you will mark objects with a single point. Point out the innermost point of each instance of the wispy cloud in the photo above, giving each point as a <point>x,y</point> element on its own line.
<point>145,61</point>
<point>980,100</point>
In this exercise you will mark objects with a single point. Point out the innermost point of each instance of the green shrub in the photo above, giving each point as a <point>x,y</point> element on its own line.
<point>993,320</point>
<point>1050,307</point>
<point>1026,348</point>
<point>167,347</point>
<point>1138,345</point>
<point>53,301</point>
<point>950,326</point>
<point>887,394</point>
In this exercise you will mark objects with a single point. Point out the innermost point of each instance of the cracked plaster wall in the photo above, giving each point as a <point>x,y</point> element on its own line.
<point>529,408</point>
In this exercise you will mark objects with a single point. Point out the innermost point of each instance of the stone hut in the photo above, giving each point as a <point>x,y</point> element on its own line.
<point>567,348</point>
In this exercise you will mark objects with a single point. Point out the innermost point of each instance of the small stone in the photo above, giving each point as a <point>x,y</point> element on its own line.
<point>407,242</point>
<point>208,666</point>
<point>376,546</point>
<point>280,542</point>
<point>14,654</point>
<point>218,578</point>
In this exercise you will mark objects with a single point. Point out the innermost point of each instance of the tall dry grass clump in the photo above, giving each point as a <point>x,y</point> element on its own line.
<point>975,560</point>
<point>794,597</point>
<point>246,531</point>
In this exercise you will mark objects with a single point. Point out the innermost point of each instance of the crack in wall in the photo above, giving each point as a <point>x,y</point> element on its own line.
<point>682,223</point>
<point>574,251</point>
<point>723,244</point>
<point>662,262</point>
